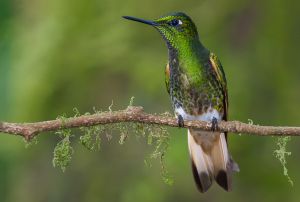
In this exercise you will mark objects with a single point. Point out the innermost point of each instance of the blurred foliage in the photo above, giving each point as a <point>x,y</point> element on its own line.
<point>60,54</point>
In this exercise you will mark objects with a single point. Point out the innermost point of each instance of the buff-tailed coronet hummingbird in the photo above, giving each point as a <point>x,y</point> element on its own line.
<point>196,83</point>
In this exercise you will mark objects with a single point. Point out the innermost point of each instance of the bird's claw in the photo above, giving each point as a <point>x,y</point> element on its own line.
<point>214,124</point>
<point>180,121</point>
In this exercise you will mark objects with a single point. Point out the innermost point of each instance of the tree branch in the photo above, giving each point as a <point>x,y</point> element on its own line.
<point>136,114</point>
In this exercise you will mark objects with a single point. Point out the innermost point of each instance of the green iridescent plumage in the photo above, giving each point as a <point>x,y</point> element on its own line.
<point>196,72</point>
<point>196,83</point>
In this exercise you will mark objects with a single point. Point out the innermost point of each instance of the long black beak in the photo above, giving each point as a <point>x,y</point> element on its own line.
<point>148,22</point>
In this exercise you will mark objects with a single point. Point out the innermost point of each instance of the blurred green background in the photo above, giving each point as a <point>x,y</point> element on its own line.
<point>60,54</point>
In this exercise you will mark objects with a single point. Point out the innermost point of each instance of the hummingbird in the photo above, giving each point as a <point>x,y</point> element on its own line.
<point>197,86</point>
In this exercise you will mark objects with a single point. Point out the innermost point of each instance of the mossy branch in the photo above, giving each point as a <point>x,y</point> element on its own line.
<point>137,115</point>
<point>134,119</point>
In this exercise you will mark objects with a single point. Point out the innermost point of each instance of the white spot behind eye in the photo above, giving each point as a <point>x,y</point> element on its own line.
<point>179,22</point>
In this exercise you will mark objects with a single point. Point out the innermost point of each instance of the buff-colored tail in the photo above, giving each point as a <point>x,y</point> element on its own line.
<point>210,159</point>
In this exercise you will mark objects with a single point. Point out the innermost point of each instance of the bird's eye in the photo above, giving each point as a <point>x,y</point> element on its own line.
<point>176,22</point>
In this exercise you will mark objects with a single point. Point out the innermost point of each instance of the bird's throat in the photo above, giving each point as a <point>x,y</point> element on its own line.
<point>186,57</point>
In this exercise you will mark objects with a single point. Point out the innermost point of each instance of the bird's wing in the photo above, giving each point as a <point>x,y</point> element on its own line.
<point>167,77</point>
<point>220,75</point>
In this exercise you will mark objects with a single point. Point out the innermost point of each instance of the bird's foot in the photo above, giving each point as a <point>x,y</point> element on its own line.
<point>214,124</point>
<point>180,121</point>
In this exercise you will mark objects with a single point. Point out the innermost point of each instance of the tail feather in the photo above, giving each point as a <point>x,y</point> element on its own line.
<point>220,158</point>
<point>210,159</point>
<point>201,166</point>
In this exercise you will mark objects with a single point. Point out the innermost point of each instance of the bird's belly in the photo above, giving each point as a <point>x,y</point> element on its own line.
<point>204,138</point>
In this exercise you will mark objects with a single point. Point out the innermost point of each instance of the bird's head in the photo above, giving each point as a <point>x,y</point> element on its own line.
<point>176,28</point>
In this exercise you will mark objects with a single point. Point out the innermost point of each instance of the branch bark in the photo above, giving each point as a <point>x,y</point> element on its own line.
<point>136,114</point>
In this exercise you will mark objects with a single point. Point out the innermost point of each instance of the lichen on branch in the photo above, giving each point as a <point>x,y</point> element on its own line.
<point>134,120</point>
<point>135,114</point>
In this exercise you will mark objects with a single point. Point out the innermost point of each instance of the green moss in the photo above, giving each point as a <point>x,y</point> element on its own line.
<point>30,142</point>
<point>281,155</point>
<point>123,129</point>
<point>110,106</point>
<point>91,138</point>
<point>131,101</point>
<point>157,136</point>
<point>63,150</point>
